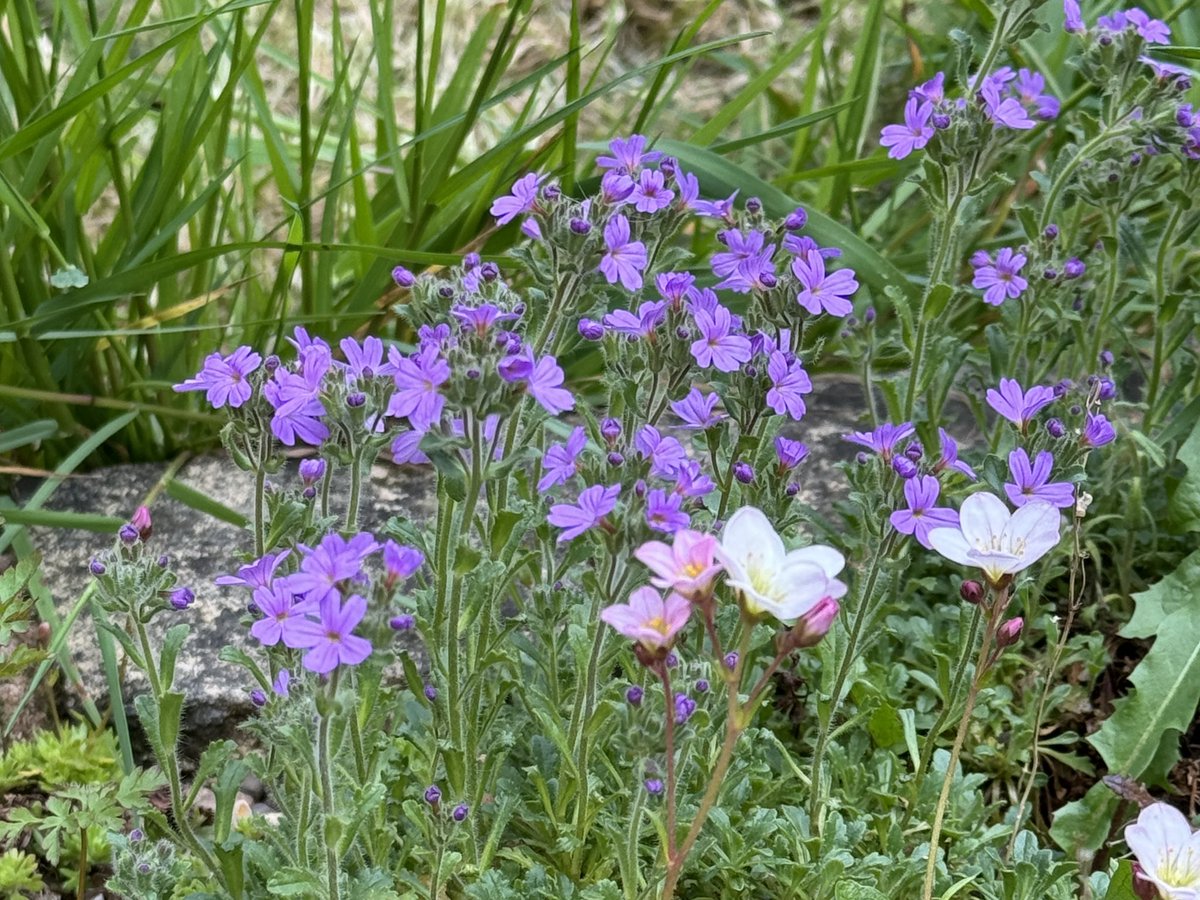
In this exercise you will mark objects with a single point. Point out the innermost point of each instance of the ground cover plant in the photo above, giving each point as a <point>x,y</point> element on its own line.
<point>636,651</point>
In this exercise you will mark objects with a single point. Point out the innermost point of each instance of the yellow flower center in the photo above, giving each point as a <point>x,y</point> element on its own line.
<point>659,624</point>
<point>693,569</point>
<point>1178,869</point>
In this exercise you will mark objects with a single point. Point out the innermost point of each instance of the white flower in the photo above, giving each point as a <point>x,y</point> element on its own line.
<point>769,578</point>
<point>1001,543</point>
<point>1167,850</point>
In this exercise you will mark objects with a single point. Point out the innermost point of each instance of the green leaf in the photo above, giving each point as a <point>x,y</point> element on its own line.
<point>293,882</point>
<point>169,719</point>
<point>719,177</point>
<point>202,502</point>
<point>1183,511</point>
<point>1121,886</point>
<point>29,433</point>
<point>852,890</point>
<point>173,640</point>
<point>1163,598</point>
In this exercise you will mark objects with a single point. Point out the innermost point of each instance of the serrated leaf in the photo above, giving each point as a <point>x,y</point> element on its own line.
<point>1183,511</point>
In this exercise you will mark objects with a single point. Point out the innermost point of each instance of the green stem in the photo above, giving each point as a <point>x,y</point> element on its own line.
<point>1087,151</point>
<point>260,485</point>
<point>1160,295</point>
<point>1110,293</point>
<point>669,719</point>
<point>356,474</point>
<point>325,767</point>
<point>999,602</point>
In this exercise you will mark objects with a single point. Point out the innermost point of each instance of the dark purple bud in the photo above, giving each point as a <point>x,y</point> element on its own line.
<point>402,622</point>
<point>473,374</point>
<point>904,467</point>
<point>136,836</point>
<point>1050,233</point>
<point>552,192</point>
<point>914,451</point>
<point>460,812</point>
<point>1092,379</point>
<point>731,660</point>
<point>1050,273</point>
<point>433,795</point>
<point>312,470</point>
<point>869,315</point>
<point>615,459</point>
<point>519,310</point>
<point>654,786</point>
<point>355,400</point>
<point>590,330</point>
<point>403,277</point>
<point>558,585</point>
<point>1105,40</point>
<point>753,205</point>
<point>1183,84</point>
<point>489,271</point>
<point>702,686</point>
<point>182,598</point>
<point>446,292</point>
<point>743,472</point>
<point>472,260</point>
<point>309,493</point>
<point>611,429</point>
<point>767,280</point>
<point>143,868</point>
<point>163,561</point>
<point>682,333</point>
<point>669,165</point>
<point>634,695</point>
<point>1077,303</point>
<point>1076,410</point>
<point>639,488</point>
<point>1107,389</point>
<point>1106,358</point>
<point>672,660</point>
<point>431,693</point>
<point>96,567</point>
<point>750,370</point>
<point>258,698</point>
<point>580,226</point>
<point>941,121</point>
<point>1055,428</point>
<point>1184,117</point>
<point>861,458</point>
<point>796,219</point>
<point>792,489</point>
<point>972,592</point>
<point>1062,388</point>
<point>253,609</point>
<point>684,707</point>
<point>1113,177</point>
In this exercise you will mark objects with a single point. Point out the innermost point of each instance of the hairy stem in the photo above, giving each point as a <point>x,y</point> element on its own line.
<point>325,767</point>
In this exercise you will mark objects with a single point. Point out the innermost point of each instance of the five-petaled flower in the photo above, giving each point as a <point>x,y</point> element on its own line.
<point>687,566</point>
<point>992,539</point>
<point>1031,481</point>
<point>1000,278</point>
<point>921,516</point>
<point>789,384</point>
<point>626,259</point>
<point>901,140</point>
<point>520,200</point>
<point>588,511</point>
<point>719,345</point>
<point>1167,851</point>
<point>649,619</point>
<point>330,639</point>
<point>1018,405</point>
<point>820,291</point>
<point>224,378</point>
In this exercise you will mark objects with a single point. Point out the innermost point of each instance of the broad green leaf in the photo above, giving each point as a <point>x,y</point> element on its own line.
<point>1178,589</point>
<point>1184,509</point>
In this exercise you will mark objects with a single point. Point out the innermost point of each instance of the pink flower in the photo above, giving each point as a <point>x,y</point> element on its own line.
<point>647,618</point>
<point>687,567</point>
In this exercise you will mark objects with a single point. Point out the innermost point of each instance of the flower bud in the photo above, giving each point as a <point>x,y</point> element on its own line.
<point>914,451</point>
<point>682,332</point>
<point>904,467</point>
<point>403,277</point>
<point>639,488</point>
<point>258,698</point>
<point>685,706</point>
<point>767,280</point>
<point>136,836</point>
<point>672,660</point>
<point>309,493</point>
<point>143,868</point>
<point>615,459</point>
<point>431,693</point>
<point>869,315</point>
<point>141,521</point>
<point>1050,273</point>
<point>472,260</point>
<point>702,686</point>
<point>611,429</point>
<point>796,219</point>
<point>1010,632</point>
<point>1143,889</point>
<point>861,458</point>
<point>743,472</point>
<point>402,622</point>
<point>1184,117</point>
<point>355,400</point>
<point>182,598</point>
<point>753,205</point>
<point>972,592</point>
<point>1074,267</point>
<point>1051,232</point>
<point>1106,358</point>
<point>731,660</point>
<point>312,470</point>
<point>1106,389</point>
<point>654,786</point>
<point>634,695</point>
<point>580,226</point>
<point>96,567</point>
<point>811,627</point>
<point>792,489</point>
<point>590,330</point>
<point>941,121</point>
<point>1055,428</point>
<point>163,561</point>
<point>433,795</point>
<point>446,292</point>
<point>460,812</point>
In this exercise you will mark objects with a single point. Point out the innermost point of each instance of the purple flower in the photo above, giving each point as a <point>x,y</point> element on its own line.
<point>666,454</point>
<point>922,516</point>
<point>593,505</point>
<point>698,410</point>
<point>282,614</point>
<point>1074,268</point>
<point>183,597</point>
<point>626,259</point>
<point>949,458</point>
<point>258,574</point>
<point>743,472</point>
<point>559,460</point>
<point>1031,481</point>
<point>790,453</point>
<point>675,287</point>
<point>545,386</point>
<point>460,812</point>
<point>1152,30</point>
<point>590,330</point>
<point>480,319</point>
<point>634,694</point>
<point>628,153</point>
<point>312,471</point>
<point>400,561</point>
<point>740,247</point>
<point>363,360</point>
<point>718,345</point>
<point>664,511</point>
<point>789,384</point>
<point>330,641</point>
<point>1097,432</point>
<point>433,795</point>
<point>223,378</point>
<point>691,480</point>
<point>406,448</point>
<point>883,439</point>
<point>332,562</point>
<point>615,188</point>
<point>914,134</point>
<point>1031,91</point>
<point>999,279</point>
<point>1018,405</point>
<point>684,707</point>
<point>519,201</point>
<point>820,292</point>
<point>1003,110</point>
<point>418,378</point>
<point>933,90</point>
<point>1072,17</point>
<point>650,193</point>
<point>716,209</point>
<point>281,682</point>
<point>642,325</point>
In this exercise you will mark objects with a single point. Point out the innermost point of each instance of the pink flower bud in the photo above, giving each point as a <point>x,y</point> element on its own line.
<point>1010,632</point>
<point>141,521</point>
<point>972,592</point>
